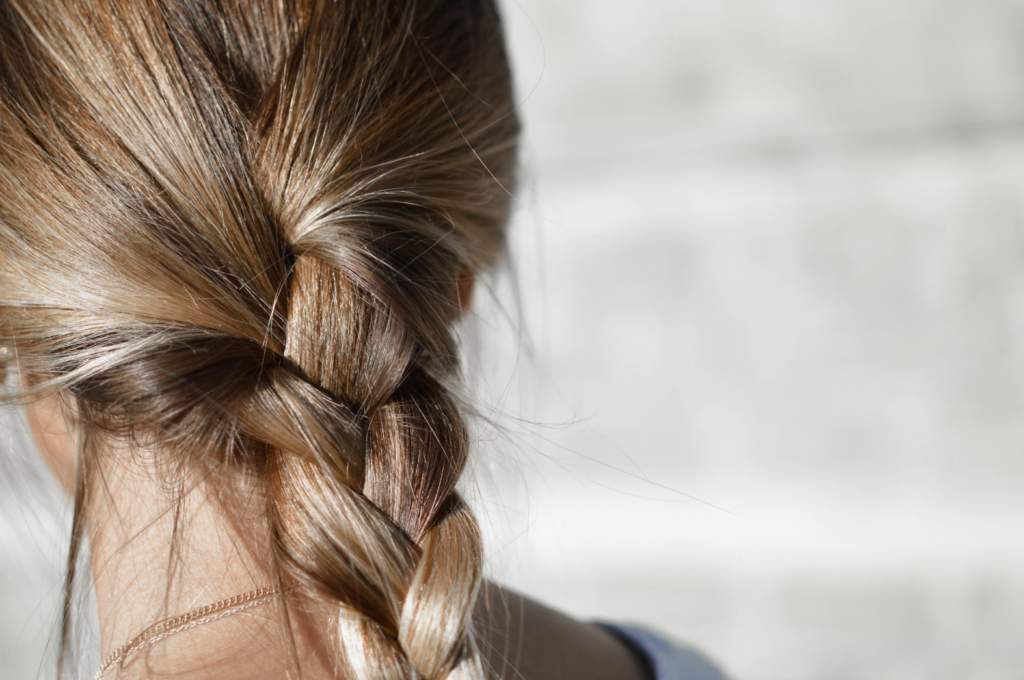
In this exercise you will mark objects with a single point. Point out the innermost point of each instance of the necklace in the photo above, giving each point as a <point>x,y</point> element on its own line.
<point>197,617</point>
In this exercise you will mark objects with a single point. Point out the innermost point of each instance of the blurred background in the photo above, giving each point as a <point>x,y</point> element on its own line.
<point>763,387</point>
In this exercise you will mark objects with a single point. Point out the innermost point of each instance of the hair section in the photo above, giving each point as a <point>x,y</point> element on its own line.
<point>232,230</point>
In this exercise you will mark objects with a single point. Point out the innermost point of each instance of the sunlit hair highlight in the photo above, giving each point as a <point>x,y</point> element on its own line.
<point>233,230</point>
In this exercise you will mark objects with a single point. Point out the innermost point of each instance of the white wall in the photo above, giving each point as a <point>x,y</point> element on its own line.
<point>782,248</point>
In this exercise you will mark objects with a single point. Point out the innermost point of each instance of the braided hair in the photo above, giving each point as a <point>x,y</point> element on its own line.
<point>234,230</point>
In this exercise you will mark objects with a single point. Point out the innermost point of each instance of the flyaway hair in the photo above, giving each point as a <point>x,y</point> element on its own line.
<point>233,230</point>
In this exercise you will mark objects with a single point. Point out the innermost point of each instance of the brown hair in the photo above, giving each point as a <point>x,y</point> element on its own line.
<point>233,230</point>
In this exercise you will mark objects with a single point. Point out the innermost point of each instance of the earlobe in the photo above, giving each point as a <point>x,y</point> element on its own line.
<point>55,438</point>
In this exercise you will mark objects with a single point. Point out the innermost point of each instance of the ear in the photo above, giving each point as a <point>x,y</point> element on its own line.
<point>54,436</point>
<point>464,281</point>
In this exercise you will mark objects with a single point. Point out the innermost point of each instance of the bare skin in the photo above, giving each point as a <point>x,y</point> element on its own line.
<point>220,555</point>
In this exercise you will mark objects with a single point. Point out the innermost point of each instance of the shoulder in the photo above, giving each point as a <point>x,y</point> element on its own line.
<point>668,660</point>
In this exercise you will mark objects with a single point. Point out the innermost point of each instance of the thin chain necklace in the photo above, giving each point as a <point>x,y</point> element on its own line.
<point>198,617</point>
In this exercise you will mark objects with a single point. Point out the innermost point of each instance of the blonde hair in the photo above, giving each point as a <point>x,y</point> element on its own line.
<point>234,230</point>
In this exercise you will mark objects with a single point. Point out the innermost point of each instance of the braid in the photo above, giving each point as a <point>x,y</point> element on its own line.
<point>409,545</point>
<point>234,233</point>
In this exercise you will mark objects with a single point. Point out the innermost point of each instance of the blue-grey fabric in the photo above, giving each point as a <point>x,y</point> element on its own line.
<point>667,660</point>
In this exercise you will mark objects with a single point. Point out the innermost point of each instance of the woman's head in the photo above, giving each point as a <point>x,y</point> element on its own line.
<point>234,233</point>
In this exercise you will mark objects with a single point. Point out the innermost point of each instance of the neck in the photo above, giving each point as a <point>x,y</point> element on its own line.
<point>159,552</point>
